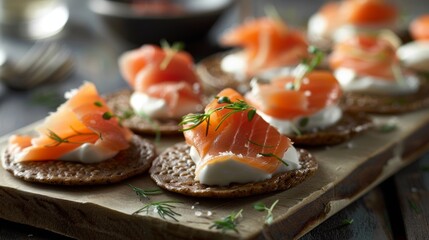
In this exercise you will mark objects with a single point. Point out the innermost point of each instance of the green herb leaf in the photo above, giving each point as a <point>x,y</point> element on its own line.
<point>307,65</point>
<point>60,140</point>
<point>259,207</point>
<point>144,193</point>
<point>275,156</point>
<point>416,208</point>
<point>98,103</point>
<point>170,52</point>
<point>165,209</point>
<point>250,114</point>
<point>347,222</point>
<point>303,122</point>
<point>387,128</point>
<point>193,120</point>
<point>227,223</point>
<point>107,115</point>
<point>224,99</point>
<point>47,98</point>
<point>260,145</point>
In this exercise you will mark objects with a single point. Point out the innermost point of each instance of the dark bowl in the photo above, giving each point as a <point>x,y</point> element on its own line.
<point>187,20</point>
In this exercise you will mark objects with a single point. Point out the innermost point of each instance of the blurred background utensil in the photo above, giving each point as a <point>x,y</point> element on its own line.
<point>44,62</point>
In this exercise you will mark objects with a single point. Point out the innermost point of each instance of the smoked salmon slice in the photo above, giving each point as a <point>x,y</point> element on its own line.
<point>267,43</point>
<point>318,90</point>
<point>367,55</point>
<point>83,118</point>
<point>419,28</point>
<point>242,136</point>
<point>162,73</point>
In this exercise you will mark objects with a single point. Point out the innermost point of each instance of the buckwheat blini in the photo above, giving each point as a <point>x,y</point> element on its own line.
<point>81,143</point>
<point>230,151</point>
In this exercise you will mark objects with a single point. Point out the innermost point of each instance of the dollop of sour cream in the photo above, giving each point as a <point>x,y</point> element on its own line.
<point>351,82</point>
<point>145,105</point>
<point>235,64</point>
<point>231,171</point>
<point>89,153</point>
<point>415,55</point>
<point>324,118</point>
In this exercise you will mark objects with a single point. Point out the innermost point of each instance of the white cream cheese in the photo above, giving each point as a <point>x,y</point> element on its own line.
<point>235,64</point>
<point>231,171</point>
<point>146,105</point>
<point>318,27</point>
<point>415,55</point>
<point>351,82</point>
<point>321,119</point>
<point>89,153</point>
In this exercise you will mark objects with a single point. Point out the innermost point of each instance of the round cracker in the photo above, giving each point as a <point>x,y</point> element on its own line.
<point>119,102</point>
<point>127,163</point>
<point>347,127</point>
<point>370,103</point>
<point>174,170</point>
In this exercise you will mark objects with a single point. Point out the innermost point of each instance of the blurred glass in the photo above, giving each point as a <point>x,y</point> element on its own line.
<point>33,19</point>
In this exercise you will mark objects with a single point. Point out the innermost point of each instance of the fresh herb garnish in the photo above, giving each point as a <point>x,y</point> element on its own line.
<point>107,115</point>
<point>261,207</point>
<point>416,208</point>
<point>398,74</point>
<point>193,120</point>
<point>307,65</point>
<point>303,122</point>
<point>274,156</point>
<point>387,128</point>
<point>260,145</point>
<point>163,208</point>
<point>346,222</point>
<point>295,129</point>
<point>60,140</point>
<point>145,193</point>
<point>98,103</point>
<point>227,223</point>
<point>170,51</point>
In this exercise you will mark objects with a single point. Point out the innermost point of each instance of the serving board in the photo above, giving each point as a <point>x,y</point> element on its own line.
<point>346,172</point>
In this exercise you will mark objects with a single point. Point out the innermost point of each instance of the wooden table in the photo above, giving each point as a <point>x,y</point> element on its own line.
<point>396,209</point>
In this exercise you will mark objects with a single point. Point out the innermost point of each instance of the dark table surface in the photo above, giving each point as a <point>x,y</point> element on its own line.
<point>396,209</point>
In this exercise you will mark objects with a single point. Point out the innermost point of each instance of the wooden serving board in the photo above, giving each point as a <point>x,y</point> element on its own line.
<point>346,172</point>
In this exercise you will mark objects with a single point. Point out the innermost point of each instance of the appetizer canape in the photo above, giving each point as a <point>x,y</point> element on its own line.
<point>415,54</point>
<point>373,78</point>
<point>304,105</point>
<point>81,143</point>
<point>337,20</point>
<point>266,44</point>
<point>230,151</point>
<point>164,88</point>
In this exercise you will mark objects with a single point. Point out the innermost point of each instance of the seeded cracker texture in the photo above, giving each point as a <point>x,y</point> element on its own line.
<point>119,102</point>
<point>347,127</point>
<point>127,163</point>
<point>174,170</point>
<point>360,102</point>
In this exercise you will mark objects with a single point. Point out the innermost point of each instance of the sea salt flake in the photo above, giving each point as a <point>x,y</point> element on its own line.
<point>198,213</point>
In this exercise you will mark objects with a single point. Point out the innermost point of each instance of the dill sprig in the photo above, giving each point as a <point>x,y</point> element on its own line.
<point>261,207</point>
<point>227,223</point>
<point>274,156</point>
<point>60,140</point>
<point>307,65</point>
<point>170,51</point>
<point>145,193</point>
<point>163,208</point>
<point>260,145</point>
<point>193,120</point>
